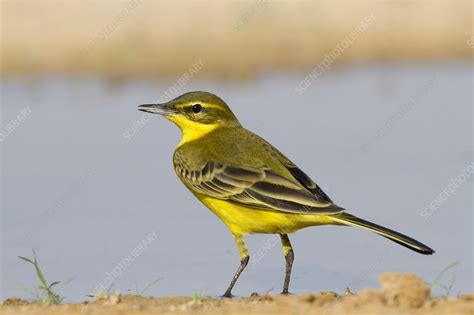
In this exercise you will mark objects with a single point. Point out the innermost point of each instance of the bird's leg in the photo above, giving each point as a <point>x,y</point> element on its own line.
<point>244,260</point>
<point>289,257</point>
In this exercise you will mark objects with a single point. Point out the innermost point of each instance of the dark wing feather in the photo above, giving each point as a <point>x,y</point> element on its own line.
<point>297,173</point>
<point>308,183</point>
<point>262,189</point>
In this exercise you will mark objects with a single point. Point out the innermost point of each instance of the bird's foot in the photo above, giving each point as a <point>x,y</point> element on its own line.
<point>285,292</point>
<point>227,295</point>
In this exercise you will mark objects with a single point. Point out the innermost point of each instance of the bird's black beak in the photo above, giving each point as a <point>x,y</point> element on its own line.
<point>160,109</point>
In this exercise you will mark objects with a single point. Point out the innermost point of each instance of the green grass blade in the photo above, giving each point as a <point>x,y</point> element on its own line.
<point>441,274</point>
<point>53,284</point>
<point>40,273</point>
<point>26,259</point>
<point>46,294</point>
<point>149,286</point>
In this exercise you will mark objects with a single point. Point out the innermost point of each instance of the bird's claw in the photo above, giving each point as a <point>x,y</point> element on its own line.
<point>227,295</point>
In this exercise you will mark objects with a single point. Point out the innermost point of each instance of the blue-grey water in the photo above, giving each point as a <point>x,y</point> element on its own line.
<point>85,180</point>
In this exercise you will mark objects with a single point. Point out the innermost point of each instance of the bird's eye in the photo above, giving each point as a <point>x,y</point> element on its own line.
<point>196,108</point>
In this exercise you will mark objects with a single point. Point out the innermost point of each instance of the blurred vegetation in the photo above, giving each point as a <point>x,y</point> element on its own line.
<point>234,39</point>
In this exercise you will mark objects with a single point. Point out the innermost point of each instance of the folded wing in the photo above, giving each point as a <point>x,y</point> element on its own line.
<point>261,189</point>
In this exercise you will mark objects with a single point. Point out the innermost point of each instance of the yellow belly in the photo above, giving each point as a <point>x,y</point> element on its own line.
<point>244,220</point>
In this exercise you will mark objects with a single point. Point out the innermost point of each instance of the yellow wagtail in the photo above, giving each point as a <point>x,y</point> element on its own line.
<point>250,185</point>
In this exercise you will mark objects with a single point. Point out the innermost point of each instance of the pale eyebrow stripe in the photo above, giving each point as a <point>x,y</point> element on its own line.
<point>203,104</point>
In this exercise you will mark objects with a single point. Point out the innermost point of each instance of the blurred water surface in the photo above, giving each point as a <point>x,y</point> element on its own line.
<point>384,141</point>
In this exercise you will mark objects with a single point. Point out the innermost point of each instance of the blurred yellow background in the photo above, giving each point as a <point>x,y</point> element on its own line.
<point>135,38</point>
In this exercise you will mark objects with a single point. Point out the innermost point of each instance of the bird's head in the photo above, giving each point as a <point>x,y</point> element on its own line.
<point>195,113</point>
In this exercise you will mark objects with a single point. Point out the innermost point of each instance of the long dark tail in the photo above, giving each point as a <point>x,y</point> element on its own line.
<point>350,220</point>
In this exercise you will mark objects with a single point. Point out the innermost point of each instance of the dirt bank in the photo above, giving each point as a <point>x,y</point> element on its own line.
<point>399,294</point>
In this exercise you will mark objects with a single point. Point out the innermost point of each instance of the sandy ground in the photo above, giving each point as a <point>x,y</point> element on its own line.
<point>399,294</point>
<point>232,39</point>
